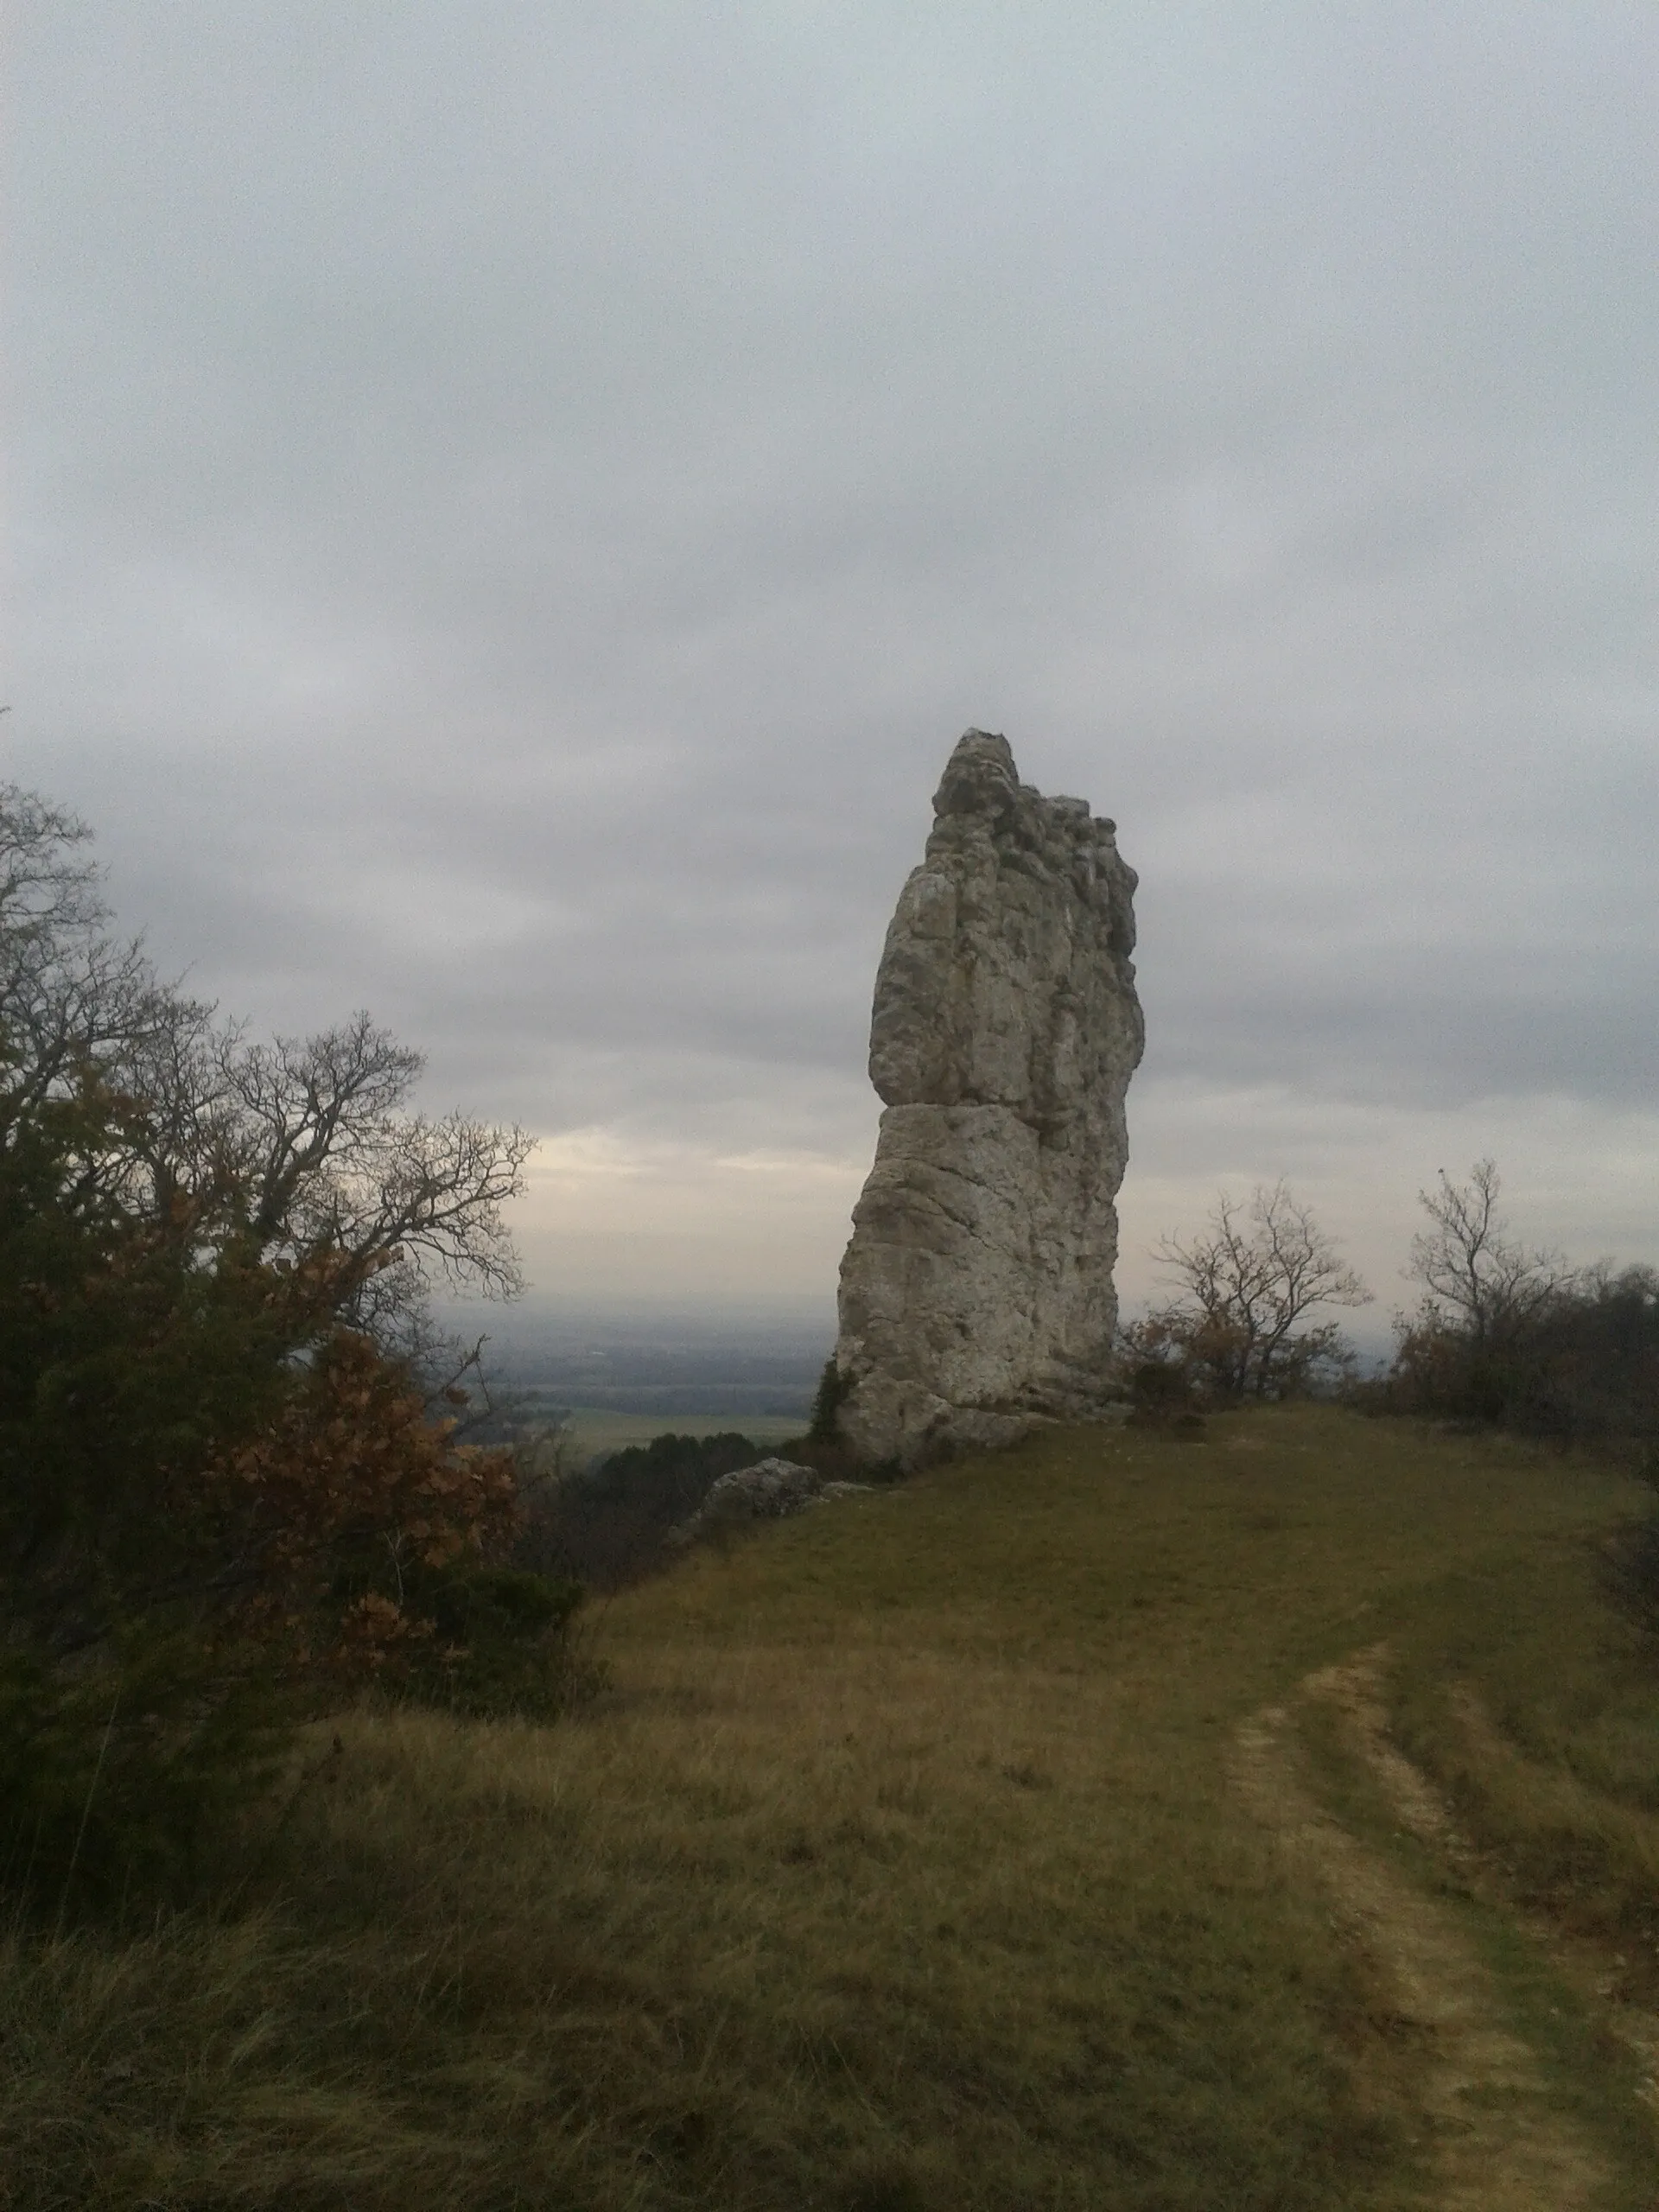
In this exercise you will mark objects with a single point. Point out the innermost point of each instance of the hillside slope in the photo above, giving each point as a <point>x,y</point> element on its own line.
<point>905,1863</point>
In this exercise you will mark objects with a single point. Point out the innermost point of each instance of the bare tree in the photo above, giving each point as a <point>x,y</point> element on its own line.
<point>299,1155</point>
<point>1476,1278</point>
<point>307,1152</point>
<point>1240,1320</point>
<point>72,997</point>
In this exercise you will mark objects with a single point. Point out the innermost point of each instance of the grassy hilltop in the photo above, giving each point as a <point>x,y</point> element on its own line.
<point>902,1863</point>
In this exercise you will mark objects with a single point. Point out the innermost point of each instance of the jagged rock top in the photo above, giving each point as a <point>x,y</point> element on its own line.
<point>992,912</point>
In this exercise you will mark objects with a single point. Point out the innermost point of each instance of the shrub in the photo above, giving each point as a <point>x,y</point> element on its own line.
<point>486,1640</point>
<point>115,1778</point>
<point>609,1526</point>
<point>826,1404</point>
<point>1160,1386</point>
<point>1509,1334</point>
<point>1581,1368</point>
<point>195,1593</point>
<point>220,1490</point>
<point>1238,1327</point>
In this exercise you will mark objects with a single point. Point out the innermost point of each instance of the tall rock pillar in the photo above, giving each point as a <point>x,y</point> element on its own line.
<point>977,1290</point>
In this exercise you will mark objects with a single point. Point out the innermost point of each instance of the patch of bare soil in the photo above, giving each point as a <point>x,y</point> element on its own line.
<point>1498,2141</point>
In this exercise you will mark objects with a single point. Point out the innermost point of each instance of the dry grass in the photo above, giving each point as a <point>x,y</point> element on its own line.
<point>1535,1704</point>
<point>897,1868</point>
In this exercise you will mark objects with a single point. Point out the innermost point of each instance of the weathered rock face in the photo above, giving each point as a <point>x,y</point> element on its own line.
<point>769,1490</point>
<point>977,1291</point>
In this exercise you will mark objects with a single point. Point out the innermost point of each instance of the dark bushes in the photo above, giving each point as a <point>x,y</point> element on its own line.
<point>223,1500</point>
<point>114,1779</point>
<point>1160,1388</point>
<point>826,1403</point>
<point>609,1526</point>
<point>1511,1335</point>
<point>1581,1367</point>
<point>494,1640</point>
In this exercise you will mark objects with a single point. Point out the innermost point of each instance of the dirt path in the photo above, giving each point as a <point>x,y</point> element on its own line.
<point>1498,2143</point>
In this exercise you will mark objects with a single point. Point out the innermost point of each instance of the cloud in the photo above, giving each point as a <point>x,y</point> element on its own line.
<point>513,506</point>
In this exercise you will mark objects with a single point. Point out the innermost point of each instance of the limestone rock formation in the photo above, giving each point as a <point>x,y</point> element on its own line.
<point>769,1490</point>
<point>976,1292</point>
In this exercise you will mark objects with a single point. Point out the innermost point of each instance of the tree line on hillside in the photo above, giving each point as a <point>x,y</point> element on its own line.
<point>1504,1333</point>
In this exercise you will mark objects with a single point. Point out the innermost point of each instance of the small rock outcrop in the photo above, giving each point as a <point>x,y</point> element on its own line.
<point>976,1292</point>
<point>769,1490</point>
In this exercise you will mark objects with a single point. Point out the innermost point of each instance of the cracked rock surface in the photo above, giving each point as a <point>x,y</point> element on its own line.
<point>976,1292</point>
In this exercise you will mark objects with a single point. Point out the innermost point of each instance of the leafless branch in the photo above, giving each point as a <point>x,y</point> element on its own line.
<point>1246,1289</point>
<point>1473,1273</point>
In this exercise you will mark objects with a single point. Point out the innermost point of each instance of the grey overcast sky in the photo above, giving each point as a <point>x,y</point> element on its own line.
<point>512,503</point>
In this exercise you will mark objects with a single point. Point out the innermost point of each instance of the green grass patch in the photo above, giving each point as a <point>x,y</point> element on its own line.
<point>1535,1704</point>
<point>1592,2079</point>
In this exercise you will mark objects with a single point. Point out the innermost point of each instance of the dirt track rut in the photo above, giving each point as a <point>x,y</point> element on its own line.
<point>1498,2142</point>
